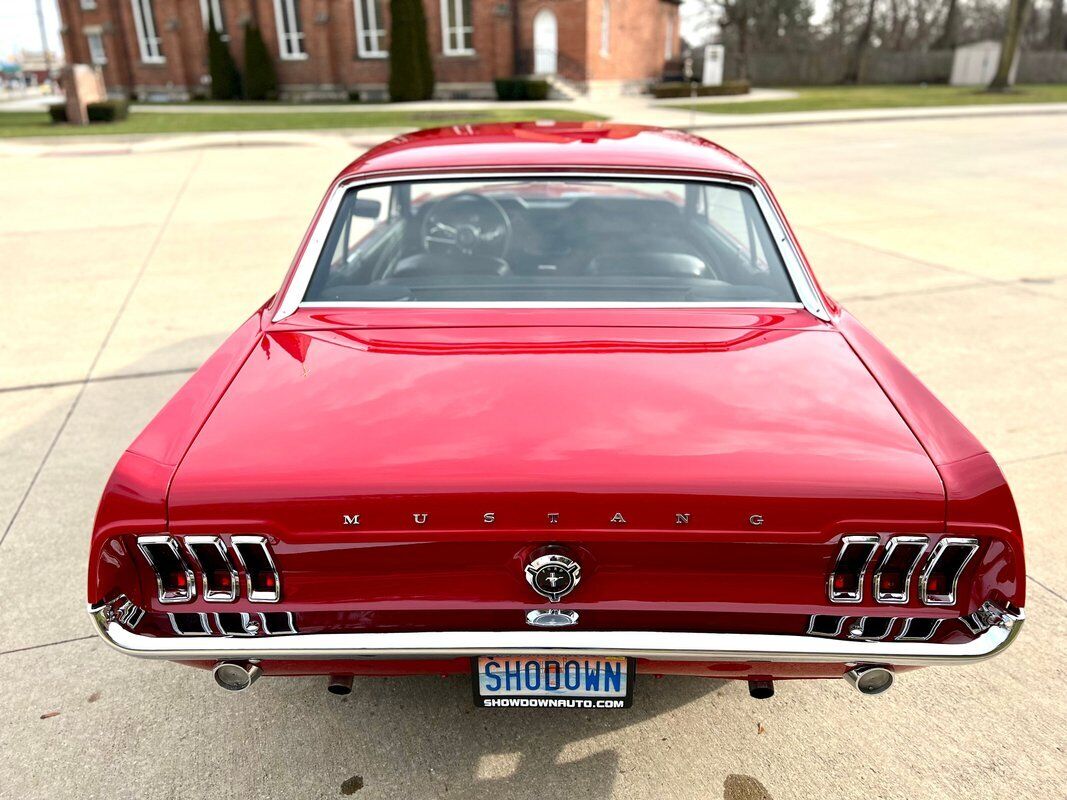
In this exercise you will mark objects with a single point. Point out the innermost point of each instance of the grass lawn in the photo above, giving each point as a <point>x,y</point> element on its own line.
<point>832,98</point>
<point>37,123</point>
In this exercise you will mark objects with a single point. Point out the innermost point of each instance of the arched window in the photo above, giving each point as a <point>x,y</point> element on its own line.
<point>605,29</point>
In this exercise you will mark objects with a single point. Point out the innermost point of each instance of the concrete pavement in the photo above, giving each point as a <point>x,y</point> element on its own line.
<point>121,273</point>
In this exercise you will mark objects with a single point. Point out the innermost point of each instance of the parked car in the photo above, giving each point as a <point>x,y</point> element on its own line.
<point>556,406</point>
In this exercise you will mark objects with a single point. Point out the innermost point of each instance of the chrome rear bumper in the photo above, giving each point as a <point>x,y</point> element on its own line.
<point>655,645</point>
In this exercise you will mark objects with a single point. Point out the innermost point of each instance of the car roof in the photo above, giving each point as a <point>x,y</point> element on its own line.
<point>546,145</point>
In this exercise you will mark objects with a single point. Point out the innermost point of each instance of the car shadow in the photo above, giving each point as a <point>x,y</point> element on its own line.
<point>493,753</point>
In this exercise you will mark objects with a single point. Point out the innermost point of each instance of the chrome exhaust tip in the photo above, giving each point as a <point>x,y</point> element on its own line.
<point>234,676</point>
<point>339,684</point>
<point>871,679</point>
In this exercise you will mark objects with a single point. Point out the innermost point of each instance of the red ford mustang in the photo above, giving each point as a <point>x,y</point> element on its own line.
<point>555,405</point>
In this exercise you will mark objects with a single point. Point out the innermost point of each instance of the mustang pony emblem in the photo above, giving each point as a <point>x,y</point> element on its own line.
<point>553,576</point>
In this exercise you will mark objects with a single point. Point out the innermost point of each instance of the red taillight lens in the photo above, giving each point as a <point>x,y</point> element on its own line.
<point>940,576</point>
<point>218,574</point>
<point>892,577</point>
<point>174,579</point>
<point>846,581</point>
<point>261,574</point>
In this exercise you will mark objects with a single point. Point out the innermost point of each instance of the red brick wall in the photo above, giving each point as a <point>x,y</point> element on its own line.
<point>333,65</point>
<point>638,35</point>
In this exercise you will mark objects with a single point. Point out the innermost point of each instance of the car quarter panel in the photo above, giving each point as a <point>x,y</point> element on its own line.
<point>135,497</point>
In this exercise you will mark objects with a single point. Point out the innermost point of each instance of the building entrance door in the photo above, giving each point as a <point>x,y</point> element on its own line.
<point>545,42</point>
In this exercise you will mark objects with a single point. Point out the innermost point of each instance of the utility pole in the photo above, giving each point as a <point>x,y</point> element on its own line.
<point>44,41</point>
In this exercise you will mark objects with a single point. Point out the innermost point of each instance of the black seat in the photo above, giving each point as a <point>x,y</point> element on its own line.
<point>660,265</point>
<point>426,265</point>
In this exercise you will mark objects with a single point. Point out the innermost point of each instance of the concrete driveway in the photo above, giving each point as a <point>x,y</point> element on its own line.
<point>121,273</point>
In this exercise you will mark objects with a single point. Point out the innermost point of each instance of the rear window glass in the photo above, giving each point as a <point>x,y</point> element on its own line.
<point>550,240</point>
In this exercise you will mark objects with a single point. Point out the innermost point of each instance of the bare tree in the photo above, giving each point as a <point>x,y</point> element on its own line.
<point>951,30</point>
<point>1017,13</point>
<point>1057,40</point>
<point>863,39</point>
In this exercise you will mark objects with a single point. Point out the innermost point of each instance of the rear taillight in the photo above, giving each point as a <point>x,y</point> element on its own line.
<point>217,573</point>
<point>892,577</point>
<point>175,581</point>
<point>261,575</point>
<point>846,581</point>
<point>937,583</point>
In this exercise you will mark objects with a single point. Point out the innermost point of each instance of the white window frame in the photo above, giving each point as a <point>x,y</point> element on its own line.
<point>369,31</point>
<point>290,42</point>
<point>215,7</point>
<point>148,38</point>
<point>452,22</point>
<point>94,36</point>
<point>668,42</point>
<point>605,29</point>
<point>88,5</point>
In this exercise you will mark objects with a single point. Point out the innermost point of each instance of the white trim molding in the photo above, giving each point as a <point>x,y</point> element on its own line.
<point>290,31</point>
<point>148,39</point>
<point>370,32</point>
<point>457,31</point>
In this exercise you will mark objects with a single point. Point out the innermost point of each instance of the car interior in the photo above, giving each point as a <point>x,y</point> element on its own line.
<point>550,240</point>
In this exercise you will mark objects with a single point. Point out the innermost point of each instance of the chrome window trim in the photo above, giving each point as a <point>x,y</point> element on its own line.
<point>190,576</point>
<point>904,637</point>
<point>894,597</point>
<point>655,645</point>
<point>948,599</point>
<point>261,542</point>
<point>203,623</point>
<point>210,595</point>
<point>846,542</point>
<point>800,277</point>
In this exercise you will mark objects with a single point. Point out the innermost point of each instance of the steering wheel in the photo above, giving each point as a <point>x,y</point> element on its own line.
<point>466,223</point>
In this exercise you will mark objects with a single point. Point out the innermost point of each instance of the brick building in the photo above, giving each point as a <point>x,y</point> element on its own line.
<point>329,49</point>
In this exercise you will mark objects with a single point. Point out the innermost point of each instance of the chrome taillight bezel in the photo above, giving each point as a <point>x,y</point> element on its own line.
<point>946,598</point>
<point>256,595</point>
<point>144,543</point>
<point>213,595</point>
<point>837,596</point>
<point>901,597</point>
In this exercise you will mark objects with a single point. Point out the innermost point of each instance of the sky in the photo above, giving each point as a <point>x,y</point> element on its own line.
<point>18,24</point>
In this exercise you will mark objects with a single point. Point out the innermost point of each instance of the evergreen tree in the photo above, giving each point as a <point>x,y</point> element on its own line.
<point>261,81</point>
<point>410,65</point>
<point>225,80</point>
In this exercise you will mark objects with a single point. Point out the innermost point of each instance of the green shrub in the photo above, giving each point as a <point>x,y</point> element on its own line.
<point>521,89</point>
<point>109,111</point>
<point>104,111</point>
<point>683,89</point>
<point>261,81</point>
<point>225,80</point>
<point>410,65</point>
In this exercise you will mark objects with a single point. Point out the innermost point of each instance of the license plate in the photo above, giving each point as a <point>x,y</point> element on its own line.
<point>553,681</point>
